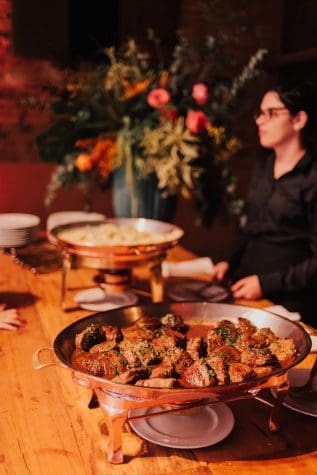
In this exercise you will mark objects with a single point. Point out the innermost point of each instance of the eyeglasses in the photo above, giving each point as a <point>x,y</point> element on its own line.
<point>269,113</point>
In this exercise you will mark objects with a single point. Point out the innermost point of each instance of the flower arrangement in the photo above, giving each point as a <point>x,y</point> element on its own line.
<point>172,121</point>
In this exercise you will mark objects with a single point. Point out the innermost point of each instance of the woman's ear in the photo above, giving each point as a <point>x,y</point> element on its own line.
<point>300,120</point>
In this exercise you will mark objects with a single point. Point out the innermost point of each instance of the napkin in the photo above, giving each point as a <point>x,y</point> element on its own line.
<point>283,312</point>
<point>201,265</point>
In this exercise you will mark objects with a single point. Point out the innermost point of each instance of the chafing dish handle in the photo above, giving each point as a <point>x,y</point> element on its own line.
<point>36,358</point>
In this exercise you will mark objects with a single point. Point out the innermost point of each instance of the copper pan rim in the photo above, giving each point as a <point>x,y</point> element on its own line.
<point>143,224</point>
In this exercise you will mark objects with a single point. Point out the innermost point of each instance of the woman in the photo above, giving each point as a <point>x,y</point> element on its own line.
<point>278,256</point>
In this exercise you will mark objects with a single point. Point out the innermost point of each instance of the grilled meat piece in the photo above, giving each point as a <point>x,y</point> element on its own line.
<point>262,370</point>
<point>283,348</point>
<point>164,383</point>
<point>130,376</point>
<point>166,339</point>
<point>264,336</point>
<point>245,326</point>
<point>246,332</point>
<point>180,359</point>
<point>149,323</point>
<point>257,357</point>
<point>99,364</point>
<point>139,353</point>
<point>103,347</point>
<point>214,340</point>
<point>112,333</point>
<point>227,330</point>
<point>196,347</point>
<point>239,372</point>
<point>175,322</point>
<point>227,353</point>
<point>163,370</point>
<point>198,375</point>
<point>220,368</point>
<point>87,362</point>
<point>92,335</point>
<point>138,333</point>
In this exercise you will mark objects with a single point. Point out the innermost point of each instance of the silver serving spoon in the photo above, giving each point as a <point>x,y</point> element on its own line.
<point>306,391</point>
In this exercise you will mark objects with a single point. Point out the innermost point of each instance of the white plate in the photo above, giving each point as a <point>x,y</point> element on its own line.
<point>189,290</point>
<point>208,426</point>
<point>18,220</point>
<point>298,377</point>
<point>98,300</point>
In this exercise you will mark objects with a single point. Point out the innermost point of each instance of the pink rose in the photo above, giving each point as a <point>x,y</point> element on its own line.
<point>200,93</point>
<point>196,121</point>
<point>158,98</point>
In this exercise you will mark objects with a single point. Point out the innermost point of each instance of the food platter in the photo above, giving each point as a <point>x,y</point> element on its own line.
<point>118,399</point>
<point>201,313</point>
<point>117,254</point>
<point>120,258</point>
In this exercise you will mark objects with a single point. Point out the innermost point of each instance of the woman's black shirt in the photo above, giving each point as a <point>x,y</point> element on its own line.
<point>280,236</point>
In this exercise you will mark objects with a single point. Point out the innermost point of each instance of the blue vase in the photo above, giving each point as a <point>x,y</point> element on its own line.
<point>142,200</point>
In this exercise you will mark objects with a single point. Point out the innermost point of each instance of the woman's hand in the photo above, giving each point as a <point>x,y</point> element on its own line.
<point>220,270</point>
<point>10,319</point>
<point>248,288</point>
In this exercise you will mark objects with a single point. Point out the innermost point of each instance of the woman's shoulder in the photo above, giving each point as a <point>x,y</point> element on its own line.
<point>309,168</point>
<point>309,165</point>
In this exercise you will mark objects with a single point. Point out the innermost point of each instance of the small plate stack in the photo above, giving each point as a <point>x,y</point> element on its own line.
<point>18,229</point>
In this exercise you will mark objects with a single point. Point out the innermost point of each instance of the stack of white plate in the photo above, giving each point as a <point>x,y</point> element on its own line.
<point>18,229</point>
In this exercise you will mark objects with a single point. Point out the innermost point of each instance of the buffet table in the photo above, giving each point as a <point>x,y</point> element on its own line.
<point>46,426</point>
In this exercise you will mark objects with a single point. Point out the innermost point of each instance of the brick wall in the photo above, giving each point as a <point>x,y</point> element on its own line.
<point>26,86</point>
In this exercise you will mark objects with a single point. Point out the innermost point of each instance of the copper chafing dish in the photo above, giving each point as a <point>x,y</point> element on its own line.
<point>117,399</point>
<point>118,261</point>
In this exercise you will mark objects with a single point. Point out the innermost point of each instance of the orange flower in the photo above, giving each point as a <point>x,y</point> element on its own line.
<point>102,155</point>
<point>83,162</point>
<point>132,90</point>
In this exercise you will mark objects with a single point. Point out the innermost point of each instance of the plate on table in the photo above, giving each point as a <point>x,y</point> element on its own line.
<point>18,229</point>
<point>97,300</point>
<point>298,377</point>
<point>206,426</point>
<point>189,290</point>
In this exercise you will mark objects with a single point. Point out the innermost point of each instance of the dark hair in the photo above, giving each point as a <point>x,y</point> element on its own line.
<point>301,97</point>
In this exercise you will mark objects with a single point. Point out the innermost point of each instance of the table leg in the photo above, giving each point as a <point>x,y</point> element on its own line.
<point>115,419</point>
<point>65,270</point>
<point>157,283</point>
<point>281,390</point>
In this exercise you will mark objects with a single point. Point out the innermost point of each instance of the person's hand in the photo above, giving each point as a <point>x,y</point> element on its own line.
<point>10,319</point>
<point>248,288</point>
<point>220,270</point>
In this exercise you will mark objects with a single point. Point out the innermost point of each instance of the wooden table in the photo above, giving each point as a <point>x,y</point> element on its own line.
<point>46,427</point>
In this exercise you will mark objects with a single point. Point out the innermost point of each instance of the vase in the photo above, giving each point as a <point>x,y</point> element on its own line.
<point>140,199</point>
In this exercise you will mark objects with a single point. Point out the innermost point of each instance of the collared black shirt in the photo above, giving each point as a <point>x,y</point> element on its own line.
<point>280,241</point>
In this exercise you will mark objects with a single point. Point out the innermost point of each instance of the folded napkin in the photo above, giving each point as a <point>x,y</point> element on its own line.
<point>283,312</point>
<point>201,265</point>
